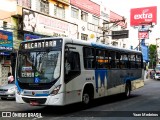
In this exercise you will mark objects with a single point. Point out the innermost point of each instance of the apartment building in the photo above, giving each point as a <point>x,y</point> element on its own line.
<point>29,19</point>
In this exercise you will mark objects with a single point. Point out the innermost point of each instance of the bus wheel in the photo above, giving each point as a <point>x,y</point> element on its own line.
<point>127,90</point>
<point>86,98</point>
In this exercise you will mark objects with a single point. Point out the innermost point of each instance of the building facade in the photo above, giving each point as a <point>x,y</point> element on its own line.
<point>29,19</point>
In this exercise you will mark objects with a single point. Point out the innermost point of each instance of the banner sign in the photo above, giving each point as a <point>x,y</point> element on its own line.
<point>145,50</point>
<point>49,26</point>
<point>30,36</point>
<point>4,53</point>
<point>143,35</point>
<point>6,40</point>
<point>146,15</point>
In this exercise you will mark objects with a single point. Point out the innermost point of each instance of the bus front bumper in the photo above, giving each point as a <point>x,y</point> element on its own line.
<point>56,100</point>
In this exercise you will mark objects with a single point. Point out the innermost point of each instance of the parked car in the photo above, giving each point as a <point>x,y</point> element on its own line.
<point>157,72</point>
<point>157,76</point>
<point>8,91</point>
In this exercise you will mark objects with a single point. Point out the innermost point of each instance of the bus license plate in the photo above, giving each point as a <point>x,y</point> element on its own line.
<point>34,103</point>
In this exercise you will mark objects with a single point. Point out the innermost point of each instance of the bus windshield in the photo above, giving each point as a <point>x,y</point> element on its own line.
<point>38,66</point>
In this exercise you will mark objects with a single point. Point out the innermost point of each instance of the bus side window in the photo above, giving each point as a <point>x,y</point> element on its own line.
<point>72,65</point>
<point>112,59</point>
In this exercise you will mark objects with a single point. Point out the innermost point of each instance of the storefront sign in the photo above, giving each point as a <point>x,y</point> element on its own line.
<point>4,53</point>
<point>41,24</point>
<point>143,35</point>
<point>6,40</point>
<point>30,36</point>
<point>87,5</point>
<point>146,15</point>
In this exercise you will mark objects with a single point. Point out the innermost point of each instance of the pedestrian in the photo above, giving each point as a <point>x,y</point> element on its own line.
<point>10,77</point>
<point>152,73</point>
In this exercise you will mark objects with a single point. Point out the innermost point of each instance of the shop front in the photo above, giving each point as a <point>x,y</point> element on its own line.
<point>6,48</point>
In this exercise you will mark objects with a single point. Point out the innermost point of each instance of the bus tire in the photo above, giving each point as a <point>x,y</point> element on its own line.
<point>86,98</point>
<point>88,94</point>
<point>127,92</point>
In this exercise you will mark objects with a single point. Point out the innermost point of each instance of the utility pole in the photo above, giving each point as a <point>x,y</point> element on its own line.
<point>104,30</point>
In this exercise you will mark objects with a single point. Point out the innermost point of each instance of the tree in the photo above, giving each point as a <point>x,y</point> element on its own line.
<point>152,56</point>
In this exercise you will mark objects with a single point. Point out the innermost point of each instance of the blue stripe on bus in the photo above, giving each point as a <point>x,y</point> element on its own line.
<point>19,89</point>
<point>98,45</point>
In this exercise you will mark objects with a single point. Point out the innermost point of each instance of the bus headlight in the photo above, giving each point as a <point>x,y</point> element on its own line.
<point>56,90</point>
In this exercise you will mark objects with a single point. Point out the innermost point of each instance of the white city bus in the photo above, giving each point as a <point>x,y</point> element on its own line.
<point>61,71</point>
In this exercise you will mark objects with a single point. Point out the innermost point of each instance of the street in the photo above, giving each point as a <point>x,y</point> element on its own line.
<point>144,100</point>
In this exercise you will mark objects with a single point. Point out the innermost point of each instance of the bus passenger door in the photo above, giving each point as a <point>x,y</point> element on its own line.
<point>71,75</point>
<point>72,66</point>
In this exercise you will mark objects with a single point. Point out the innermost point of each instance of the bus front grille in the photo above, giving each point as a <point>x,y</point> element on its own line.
<point>39,100</point>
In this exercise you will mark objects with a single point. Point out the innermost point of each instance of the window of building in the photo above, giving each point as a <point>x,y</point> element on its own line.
<point>59,12</point>
<point>4,25</point>
<point>84,16</point>
<point>24,3</point>
<point>95,20</point>
<point>84,36</point>
<point>44,6</point>
<point>124,45</point>
<point>115,43</point>
<point>74,12</point>
<point>105,24</point>
<point>94,28</point>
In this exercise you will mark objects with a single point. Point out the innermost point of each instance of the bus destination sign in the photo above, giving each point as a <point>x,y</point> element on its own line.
<point>40,44</point>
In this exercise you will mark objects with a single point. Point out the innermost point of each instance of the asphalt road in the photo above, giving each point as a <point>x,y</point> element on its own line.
<point>144,104</point>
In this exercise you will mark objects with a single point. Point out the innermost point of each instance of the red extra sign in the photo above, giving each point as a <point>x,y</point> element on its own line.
<point>143,35</point>
<point>87,5</point>
<point>146,15</point>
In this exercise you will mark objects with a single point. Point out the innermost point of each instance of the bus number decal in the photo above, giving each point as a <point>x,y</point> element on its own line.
<point>27,74</point>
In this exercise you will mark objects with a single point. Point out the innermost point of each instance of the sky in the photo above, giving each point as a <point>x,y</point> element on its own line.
<point>123,7</point>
